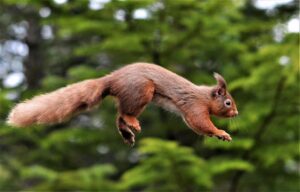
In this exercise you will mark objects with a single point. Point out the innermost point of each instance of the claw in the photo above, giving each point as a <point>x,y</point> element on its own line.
<point>224,136</point>
<point>130,141</point>
<point>128,135</point>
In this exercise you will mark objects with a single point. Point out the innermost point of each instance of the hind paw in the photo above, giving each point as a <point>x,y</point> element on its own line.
<point>128,136</point>
<point>132,123</point>
<point>126,132</point>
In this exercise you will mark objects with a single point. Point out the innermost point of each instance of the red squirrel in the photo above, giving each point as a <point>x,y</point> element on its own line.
<point>134,86</point>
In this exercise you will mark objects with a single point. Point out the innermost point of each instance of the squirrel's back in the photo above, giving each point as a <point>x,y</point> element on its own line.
<point>163,79</point>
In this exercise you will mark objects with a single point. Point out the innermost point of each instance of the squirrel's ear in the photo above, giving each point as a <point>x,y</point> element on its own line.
<point>217,91</point>
<point>221,81</point>
<point>220,89</point>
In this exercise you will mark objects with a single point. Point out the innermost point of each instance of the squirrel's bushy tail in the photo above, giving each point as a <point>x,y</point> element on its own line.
<point>59,105</point>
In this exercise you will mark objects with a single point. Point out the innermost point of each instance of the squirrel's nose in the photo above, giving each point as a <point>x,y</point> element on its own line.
<point>236,112</point>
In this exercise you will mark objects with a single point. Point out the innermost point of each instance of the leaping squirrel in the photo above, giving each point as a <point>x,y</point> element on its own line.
<point>134,86</point>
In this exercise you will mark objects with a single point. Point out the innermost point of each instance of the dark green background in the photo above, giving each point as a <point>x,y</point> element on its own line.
<point>249,46</point>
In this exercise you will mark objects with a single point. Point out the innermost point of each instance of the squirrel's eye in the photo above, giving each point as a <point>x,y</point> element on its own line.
<point>227,103</point>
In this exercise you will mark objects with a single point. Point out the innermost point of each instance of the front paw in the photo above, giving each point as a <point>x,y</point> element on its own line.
<point>223,136</point>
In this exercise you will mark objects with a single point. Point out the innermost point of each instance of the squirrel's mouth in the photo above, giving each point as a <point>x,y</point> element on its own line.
<point>233,113</point>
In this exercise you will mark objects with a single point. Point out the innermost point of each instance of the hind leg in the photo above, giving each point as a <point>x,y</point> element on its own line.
<point>131,107</point>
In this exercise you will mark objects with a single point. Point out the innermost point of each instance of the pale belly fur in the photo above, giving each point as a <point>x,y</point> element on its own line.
<point>166,104</point>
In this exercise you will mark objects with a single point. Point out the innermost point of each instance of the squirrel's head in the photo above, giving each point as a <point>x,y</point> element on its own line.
<point>222,104</point>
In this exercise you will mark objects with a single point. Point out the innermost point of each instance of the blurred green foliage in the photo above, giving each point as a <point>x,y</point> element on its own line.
<point>247,45</point>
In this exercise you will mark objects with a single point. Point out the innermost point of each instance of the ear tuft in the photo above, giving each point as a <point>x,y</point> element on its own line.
<point>221,81</point>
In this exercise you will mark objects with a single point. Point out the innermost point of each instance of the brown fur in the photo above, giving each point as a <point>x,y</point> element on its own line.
<point>134,86</point>
<point>57,106</point>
